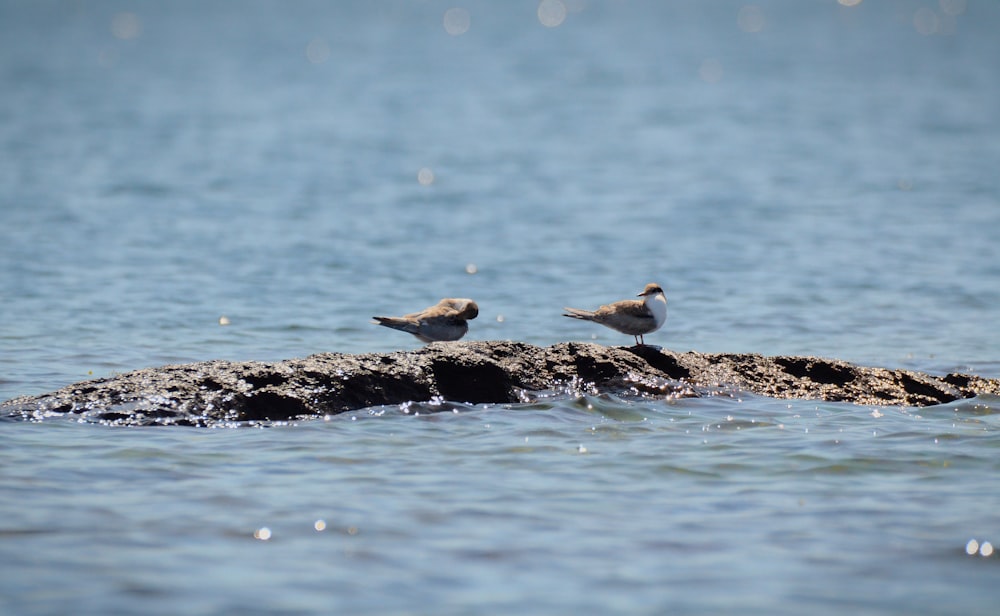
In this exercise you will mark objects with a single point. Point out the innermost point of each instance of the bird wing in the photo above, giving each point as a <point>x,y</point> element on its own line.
<point>628,316</point>
<point>629,308</point>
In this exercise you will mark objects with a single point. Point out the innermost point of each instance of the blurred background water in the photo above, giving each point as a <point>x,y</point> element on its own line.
<point>802,177</point>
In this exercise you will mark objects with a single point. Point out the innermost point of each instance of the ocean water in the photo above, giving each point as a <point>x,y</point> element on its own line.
<point>802,177</point>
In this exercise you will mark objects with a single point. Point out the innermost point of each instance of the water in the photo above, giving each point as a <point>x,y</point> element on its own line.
<point>826,185</point>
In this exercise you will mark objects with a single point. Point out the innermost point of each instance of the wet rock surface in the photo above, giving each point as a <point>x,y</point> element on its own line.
<point>222,392</point>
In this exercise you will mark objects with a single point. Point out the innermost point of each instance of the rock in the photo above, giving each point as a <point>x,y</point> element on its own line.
<point>220,392</point>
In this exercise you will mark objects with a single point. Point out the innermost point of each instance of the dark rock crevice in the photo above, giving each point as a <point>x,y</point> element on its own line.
<point>818,371</point>
<point>476,383</point>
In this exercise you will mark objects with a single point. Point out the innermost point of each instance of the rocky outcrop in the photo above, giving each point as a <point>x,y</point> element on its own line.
<point>220,392</point>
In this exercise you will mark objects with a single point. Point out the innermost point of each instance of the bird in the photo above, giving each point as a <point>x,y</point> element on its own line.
<point>447,320</point>
<point>634,317</point>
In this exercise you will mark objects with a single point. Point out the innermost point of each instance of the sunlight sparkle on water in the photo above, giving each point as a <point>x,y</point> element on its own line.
<point>552,13</point>
<point>710,71</point>
<point>926,21</point>
<point>953,7</point>
<point>971,547</point>
<point>984,549</point>
<point>750,18</point>
<point>457,21</point>
<point>126,26</point>
<point>425,176</point>
<point>263,533</point>
<point>317,51</point>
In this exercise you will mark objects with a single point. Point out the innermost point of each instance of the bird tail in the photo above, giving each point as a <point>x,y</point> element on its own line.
<point>576,313</point>
<point>395,323</point>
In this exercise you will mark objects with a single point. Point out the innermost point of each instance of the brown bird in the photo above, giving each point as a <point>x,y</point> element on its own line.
<point>446,320</point>
<point>634,317</point>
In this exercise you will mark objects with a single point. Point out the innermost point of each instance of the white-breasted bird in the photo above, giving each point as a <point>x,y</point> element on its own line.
<point>634,317</point>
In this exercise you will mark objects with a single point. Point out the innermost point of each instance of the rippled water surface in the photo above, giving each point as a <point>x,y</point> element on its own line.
<point>801,177</point>
<point>592,504</point>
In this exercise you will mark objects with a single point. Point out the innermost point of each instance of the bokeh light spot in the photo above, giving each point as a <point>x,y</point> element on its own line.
<point>263,533</point>
<point>224,320</point>
<point>953,7</point>
<point>926,21</point>
<point>971,547</point>
<point>107,58</point>
<point>986,549</point>
<point>320,525</point>
<point>425,176</point>
<point>126,26</point>
<point>317,51</point>
<point>849,2</point>
<point>457,21</point>
<point>552,13</point>
<point>471,268</point>
<point>710,71</point>
<point>750,18</point>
